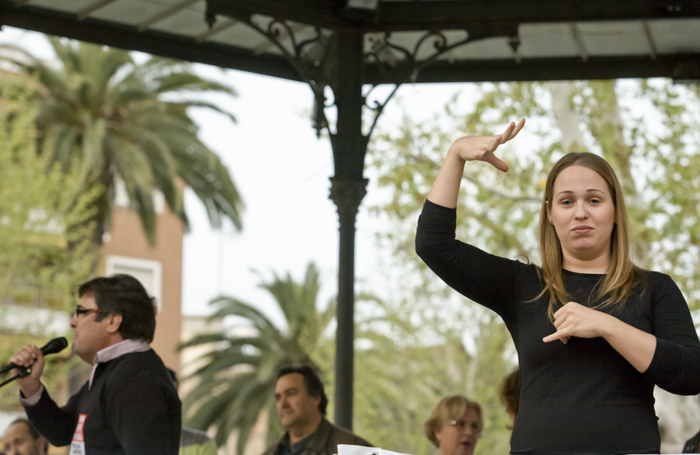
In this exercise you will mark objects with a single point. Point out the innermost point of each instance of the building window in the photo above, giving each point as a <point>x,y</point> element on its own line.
<point>149,273</point>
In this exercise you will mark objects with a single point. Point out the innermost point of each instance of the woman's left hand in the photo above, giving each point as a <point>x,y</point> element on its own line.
<point>575,320</point>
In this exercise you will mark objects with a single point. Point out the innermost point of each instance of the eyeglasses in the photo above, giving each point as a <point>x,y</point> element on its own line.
<point>79,311</point>
<point>462,425</point>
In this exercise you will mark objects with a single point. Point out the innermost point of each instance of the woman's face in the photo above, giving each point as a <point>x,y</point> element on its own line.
<point>459,436</point>
<point>583,215</point>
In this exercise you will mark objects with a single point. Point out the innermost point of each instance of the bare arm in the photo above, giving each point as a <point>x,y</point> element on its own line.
<point>445,190</point>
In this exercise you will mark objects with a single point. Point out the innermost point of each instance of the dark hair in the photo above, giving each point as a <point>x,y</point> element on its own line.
<point>33,432</point>
<point>510,391</point>
<point>313,384</point>
<point>126,296</point>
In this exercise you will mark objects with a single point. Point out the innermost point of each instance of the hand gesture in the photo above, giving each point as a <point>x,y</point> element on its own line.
<point>29,357</point>
<point>481,148</point>
<point>575,320</point>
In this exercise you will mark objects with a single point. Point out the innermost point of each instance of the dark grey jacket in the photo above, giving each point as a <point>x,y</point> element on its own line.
<point>325,440</point>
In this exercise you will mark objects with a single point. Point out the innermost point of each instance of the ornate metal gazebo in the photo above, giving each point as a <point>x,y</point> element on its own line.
<point>344,48</point>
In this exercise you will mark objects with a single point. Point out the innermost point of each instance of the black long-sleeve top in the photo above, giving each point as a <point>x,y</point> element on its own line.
<point>580,397</point>
<point>132,408</point>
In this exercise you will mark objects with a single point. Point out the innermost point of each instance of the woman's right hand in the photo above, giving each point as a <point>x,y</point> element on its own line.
<point>481,148</point>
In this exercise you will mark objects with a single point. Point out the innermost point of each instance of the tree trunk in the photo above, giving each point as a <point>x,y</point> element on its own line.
<point>567,120</point>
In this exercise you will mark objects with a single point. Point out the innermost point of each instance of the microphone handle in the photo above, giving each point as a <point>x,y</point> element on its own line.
<point>7,368</point>
<point>52,347</point>
<point>22,373</point>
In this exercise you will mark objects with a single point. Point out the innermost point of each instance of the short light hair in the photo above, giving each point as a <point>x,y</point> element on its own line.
<point>450,408</point>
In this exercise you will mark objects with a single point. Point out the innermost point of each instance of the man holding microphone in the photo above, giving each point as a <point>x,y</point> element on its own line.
<point>129,405</point>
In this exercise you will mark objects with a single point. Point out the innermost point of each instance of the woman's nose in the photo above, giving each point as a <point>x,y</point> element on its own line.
<point>581,212</point>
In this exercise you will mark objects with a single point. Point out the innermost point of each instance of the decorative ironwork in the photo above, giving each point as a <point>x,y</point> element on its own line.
<point>406,68</point>
<point>377,107</point>
<point>306,57</point>
<point>397,63</point>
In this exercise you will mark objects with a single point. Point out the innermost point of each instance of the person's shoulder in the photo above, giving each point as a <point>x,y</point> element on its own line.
<point>143,361</point>
<point>657,280</point>
<point>136,367</point>
<point>271,450</point>
<point>190,436</point>
<point>343,436</point>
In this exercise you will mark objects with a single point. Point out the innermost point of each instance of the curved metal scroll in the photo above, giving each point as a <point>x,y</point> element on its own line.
<point>405,68</point>
<point>397,63</point>
<point>306,57</point>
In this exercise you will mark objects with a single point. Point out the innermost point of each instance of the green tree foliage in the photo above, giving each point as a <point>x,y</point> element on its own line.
<point>647,130</point>
<point>120,118</point>
<point>238,378</point>
<point>45,251</point>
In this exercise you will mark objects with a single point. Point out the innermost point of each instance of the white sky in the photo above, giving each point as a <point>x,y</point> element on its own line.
<point>282,171</point>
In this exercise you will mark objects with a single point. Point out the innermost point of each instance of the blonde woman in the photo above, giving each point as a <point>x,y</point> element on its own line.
<point>455,425</point>
<point>594,333</point>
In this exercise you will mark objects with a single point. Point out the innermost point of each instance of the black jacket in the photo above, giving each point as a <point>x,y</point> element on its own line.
<point>131,408</point>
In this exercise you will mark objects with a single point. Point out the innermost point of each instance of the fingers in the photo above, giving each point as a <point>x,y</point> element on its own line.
<point>508,133</point>
<point>558,335</point>
<point>513,130</point>
<point>492,159</point>
<point>517,129</point>
<point>26,357</point>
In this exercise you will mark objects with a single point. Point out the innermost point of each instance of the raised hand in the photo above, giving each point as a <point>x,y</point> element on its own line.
<point>482,148</point>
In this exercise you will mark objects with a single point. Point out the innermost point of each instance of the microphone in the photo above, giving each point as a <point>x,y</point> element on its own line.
<point>52,347</point>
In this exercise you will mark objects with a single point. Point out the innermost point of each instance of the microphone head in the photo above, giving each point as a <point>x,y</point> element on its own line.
<point>54,346</point>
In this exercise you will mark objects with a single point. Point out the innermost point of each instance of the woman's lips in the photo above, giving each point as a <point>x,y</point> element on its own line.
<point>582,229</point>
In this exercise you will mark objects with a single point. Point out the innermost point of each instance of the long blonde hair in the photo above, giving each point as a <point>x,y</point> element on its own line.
<point>622,274</point>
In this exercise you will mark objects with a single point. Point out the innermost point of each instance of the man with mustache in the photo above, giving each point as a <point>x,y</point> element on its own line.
<point>301,407</point>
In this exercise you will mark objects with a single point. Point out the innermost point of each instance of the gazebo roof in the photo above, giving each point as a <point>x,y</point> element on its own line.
<point>502,39</point>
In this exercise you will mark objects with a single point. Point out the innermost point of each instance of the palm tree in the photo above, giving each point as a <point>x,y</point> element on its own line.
<point>119,119</point>
<point>238,379</point>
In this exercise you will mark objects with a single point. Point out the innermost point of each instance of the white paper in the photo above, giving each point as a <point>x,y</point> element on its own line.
<point>347,449</point>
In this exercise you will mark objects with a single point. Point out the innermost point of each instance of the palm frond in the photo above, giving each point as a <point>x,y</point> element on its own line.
<point>250,361</point>
<point>206,105</point>
<point>230,306</point>
<point>186,81</point>
<point>110,108</point>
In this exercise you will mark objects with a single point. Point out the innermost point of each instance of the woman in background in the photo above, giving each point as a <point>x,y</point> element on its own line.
<point>455,425</point>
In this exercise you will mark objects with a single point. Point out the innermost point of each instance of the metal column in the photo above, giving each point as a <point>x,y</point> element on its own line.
<point>348,187</point>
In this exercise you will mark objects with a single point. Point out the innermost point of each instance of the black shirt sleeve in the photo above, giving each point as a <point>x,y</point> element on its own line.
<point>675,366</point>
<point>56,424</point>
<point>487,279</point>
